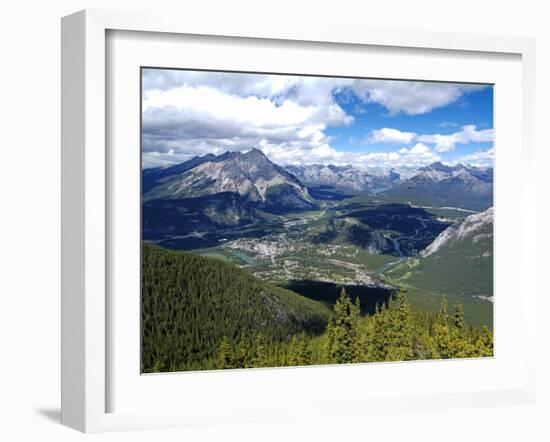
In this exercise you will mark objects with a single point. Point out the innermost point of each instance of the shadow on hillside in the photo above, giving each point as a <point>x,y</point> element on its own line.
<point>328,293</point>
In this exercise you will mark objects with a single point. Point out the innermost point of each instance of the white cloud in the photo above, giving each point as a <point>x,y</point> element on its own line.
<point>390,135</point>
<point>481,158</point>
<point>468,134</point>
<point>418,155</point>
<point>442,143</point>
<point>419,148</point>
<point>189,113</point>
<point>269,86</point>
<point>411,97</point>
<point>197,120</point>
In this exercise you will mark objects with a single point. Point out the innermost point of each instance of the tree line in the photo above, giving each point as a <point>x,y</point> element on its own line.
<point>201,313</point>
<point>394,332</point>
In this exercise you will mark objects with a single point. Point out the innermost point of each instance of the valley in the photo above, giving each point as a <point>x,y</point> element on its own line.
<point>373,242</point>
<point>295,220</point>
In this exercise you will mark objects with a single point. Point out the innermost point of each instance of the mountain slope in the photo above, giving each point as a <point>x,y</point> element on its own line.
<point>189,303</point>
<point>343,177</point>
<point>440,185</point>
<point>458,264</point>
<point>151,177</point>
<point>170,220</point>
<point>478,227</point>
<point>251,175</point>
<point>348,230</point>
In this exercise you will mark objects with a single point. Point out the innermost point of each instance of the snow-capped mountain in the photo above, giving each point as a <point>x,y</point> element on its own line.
<point>344,177</point>
<point>439,172</point>
<point>251,175</point>
<point>473,228</point>
<point>437,184</point>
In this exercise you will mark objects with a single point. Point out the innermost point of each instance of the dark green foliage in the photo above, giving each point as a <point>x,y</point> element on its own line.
<point>345,331</point>
<point>458,318</point>
<point>224,354</point>
<point>189,303</point>
<point>393,333</point>
<point>201,313</point>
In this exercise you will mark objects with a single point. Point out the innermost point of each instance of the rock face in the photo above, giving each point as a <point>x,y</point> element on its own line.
<point>344,177</point>
<point>472,228</point>
<point>251,175</point>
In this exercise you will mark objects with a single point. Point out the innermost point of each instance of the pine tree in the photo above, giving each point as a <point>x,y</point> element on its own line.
<point>442,341</point>
<point>224,354</point>
<point>345,347</point>
<point>242,354</point>
<point>158,367</point>
<point>303,350</point>
<point>484,344</point>
<point>260,358</point>
<point>443,316</point>
<point>458,318</point>
<point>293,353</point>
<point>398,329</point>
<point>328,344</point>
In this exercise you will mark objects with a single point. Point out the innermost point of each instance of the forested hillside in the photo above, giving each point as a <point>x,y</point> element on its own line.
<point>392,333</point>
<point>189,303</point>
<point>201,313</point>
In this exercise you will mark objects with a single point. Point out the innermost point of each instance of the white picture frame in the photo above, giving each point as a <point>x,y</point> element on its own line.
<point>85,212</point>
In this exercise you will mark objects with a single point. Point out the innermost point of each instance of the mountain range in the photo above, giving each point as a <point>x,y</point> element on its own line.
<point>323,223</point>
<point>257,179</point>
<point>344,177</point>
<point>440,185</point>
<point>233,189</point>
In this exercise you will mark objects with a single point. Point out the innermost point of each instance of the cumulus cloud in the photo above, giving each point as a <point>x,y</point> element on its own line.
<point>468,134</point>
<point>390,135</point>
<point>416,156</point>
<point>204,119</point>
<point>442,143</point>
<point>480,158</point>
<point>189,113</point>
<point>411,97</point>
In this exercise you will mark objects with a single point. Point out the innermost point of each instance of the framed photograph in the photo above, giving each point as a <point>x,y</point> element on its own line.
<point>251,212</point>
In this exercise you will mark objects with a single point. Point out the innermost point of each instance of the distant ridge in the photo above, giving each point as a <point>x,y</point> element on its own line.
<point>462,186</point>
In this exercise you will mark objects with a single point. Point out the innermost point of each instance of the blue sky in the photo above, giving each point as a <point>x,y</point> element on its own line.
<point>474,108</point>
<point>299,120</point>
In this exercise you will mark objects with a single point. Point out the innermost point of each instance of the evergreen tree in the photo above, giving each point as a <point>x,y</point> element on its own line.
<point>190,302</point>
<point>443,311</point>
<point>182,328</point>
<point>402,328</point>
<point>158,368</point>
<point>345,348</point>
<point>484,344</point>
<point>260,358</point>
<point>328,344</point>
<point>242,353</point>
<point>303,350</point>
<point>458,318</point>
<point>394,330</point>
<point>224,354</point>
<point>442,340</point>
<point>293,353</point>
